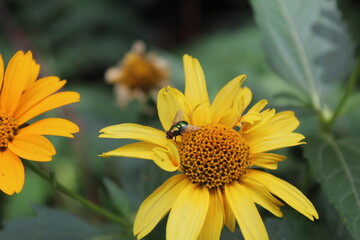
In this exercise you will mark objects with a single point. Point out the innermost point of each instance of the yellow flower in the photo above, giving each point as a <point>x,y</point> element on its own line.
<point>137,75</point>
<point>217,184</point>
<point>22,98</point>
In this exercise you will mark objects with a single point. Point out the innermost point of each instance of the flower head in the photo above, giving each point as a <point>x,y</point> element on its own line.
<point>23,97</point>
<point>137,75</point>
<point>215,148</point>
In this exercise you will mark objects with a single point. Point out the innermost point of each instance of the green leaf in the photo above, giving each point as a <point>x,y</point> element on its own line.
<point>336,165</point>
<point>118,197</point>
<point>48,224</point>
<point>306,43</point>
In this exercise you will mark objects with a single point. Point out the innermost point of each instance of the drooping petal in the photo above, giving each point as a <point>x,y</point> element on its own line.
<point>169,102</point>
<point>266,160</point>
<point>32,147</point>
<point>158,204</point>
<point>12,174</point>
<point>38,90</point>
<point>141,150</point>
<point>245,211</point>
<point>51,102</point>
<point>135,131</point>
<point>287,192</point>
<point>165,158</point>
<point>17,74</point>
<point>51,126</point>
<point>261,196</point>
<point>214,221</point>
<point>195,91</point>
<point>187,216</point>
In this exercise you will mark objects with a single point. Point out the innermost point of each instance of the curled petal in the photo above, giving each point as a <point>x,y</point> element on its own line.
<point>165,157</point>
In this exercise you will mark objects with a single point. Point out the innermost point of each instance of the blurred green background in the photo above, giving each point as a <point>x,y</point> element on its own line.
<point>79,40</point>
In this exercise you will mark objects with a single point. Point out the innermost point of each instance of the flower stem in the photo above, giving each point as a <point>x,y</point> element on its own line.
<point>99,210</point>
<point>350,86</point>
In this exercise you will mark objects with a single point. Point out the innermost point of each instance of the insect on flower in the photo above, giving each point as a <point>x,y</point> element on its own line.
<point>179,127</point>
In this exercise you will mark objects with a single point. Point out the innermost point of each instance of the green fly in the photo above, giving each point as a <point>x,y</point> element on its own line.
<point>179,127</point>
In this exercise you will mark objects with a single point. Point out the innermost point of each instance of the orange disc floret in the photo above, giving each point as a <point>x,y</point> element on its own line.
<point>215,155</point>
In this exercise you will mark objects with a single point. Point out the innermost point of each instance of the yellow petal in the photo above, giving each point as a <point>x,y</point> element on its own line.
<point>169,102</point>
<point>166,158</point>
<point>195,91</point>
<point>141,150</point>
<point>261,196</point>
<point>54,101</point>
<point>32,147</point>
<point>51,126</point>
<point>253,114</point>
<point>266,160</point>
<point>233,117</point>
<point>287,192</point>
<point>187,216</point>
<point>12,174</point>
<point>38,90</point>
<point>229,217</point>
<point>1,72</point>
<point>16,76</point>
<point>275,141</point>
<point>16,81</point>
<point>135,131</point>
<point>224,99</point>
<point>270,124</point>
<point>245,211</point>
<point>214,219</point>
<point>34,73</point>
<point>158,204</point>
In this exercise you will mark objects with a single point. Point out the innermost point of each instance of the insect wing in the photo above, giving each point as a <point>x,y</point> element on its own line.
<point>178,117</point>
<point>190,128</point>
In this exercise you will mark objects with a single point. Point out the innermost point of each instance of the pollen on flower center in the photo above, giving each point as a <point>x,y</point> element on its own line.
<point>214,156</point>
<point>8,129</point>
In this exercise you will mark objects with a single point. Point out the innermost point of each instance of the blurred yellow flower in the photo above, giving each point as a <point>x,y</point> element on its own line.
<point>22,98</point>
<point>217,184</point>
<point>137,75</point>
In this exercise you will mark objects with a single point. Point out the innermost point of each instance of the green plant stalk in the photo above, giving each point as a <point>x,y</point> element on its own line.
<point>99,210</point>
<point>327,125</point>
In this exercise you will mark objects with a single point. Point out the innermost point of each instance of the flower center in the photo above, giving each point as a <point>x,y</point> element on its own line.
<point>214,156</point>
<point>140,72</point>
<point>8,129</point>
